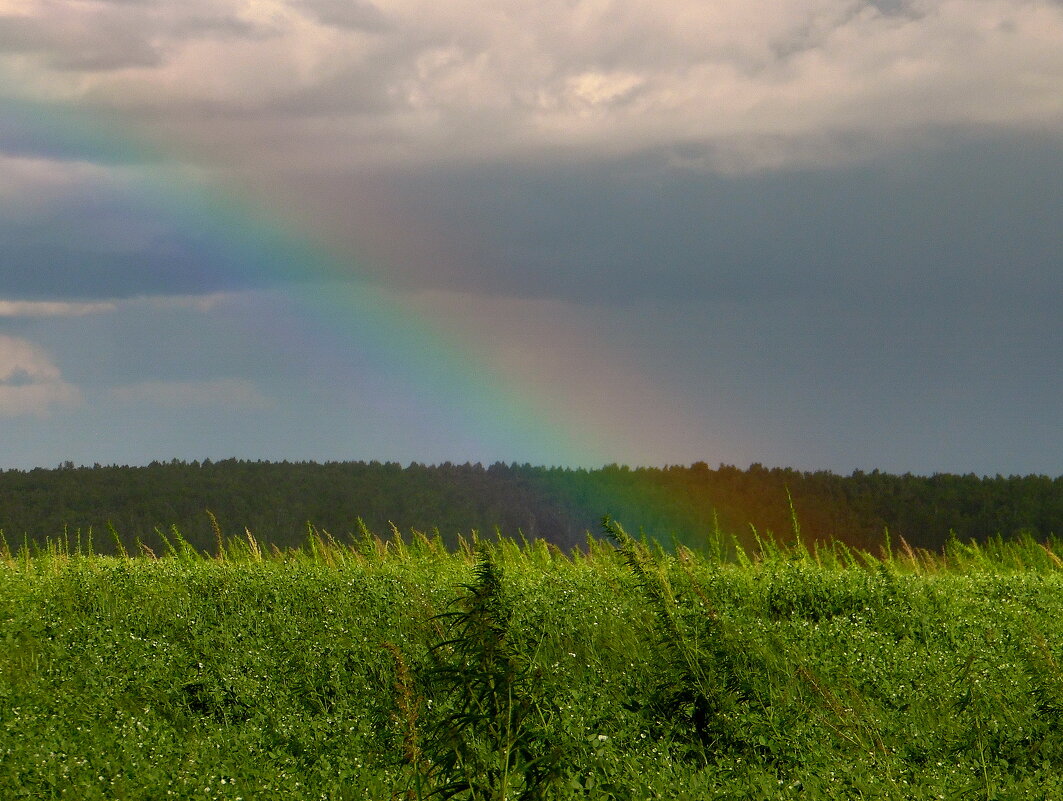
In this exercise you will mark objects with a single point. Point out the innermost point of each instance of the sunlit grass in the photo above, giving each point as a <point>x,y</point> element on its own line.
<point>392,667</point>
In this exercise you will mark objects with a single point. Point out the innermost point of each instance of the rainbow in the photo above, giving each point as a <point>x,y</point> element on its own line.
<point>341,307</point>
<point>338,307</point>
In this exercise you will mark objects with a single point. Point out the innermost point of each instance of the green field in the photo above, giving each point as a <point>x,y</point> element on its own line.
<point>398,669</point>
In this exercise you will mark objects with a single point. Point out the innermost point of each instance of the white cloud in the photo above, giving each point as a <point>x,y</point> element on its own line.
<point>28,184</point>
<point>30,383</point>
<point>91,37</point>
<point>203,304</point>
<point>29,308</point>
<point>324,82</point>
<point>597,89</point>
<point>229,393</point>
<point>31,186</point>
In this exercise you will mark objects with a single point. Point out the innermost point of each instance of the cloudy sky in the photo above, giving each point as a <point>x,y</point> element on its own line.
<point>825,234</point>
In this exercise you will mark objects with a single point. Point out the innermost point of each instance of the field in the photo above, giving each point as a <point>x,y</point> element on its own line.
<point>398,669</point>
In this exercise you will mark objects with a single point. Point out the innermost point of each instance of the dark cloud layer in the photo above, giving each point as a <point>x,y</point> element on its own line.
<point>974,219</point>
<point>971,218</point>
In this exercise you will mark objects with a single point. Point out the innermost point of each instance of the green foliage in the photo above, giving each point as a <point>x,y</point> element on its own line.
<point>485,736</point>
<point>699,684</point>
<point>395,668</point>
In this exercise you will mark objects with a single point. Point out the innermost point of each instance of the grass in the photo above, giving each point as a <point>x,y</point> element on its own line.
<point>395,669</point>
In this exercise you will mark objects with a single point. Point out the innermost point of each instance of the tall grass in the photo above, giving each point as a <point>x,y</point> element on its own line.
<point>392,667</point>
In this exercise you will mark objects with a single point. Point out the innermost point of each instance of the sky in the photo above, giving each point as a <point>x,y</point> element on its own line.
<point>824,234</point>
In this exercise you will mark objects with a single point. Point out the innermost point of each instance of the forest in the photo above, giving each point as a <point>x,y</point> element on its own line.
<point>280,501</point>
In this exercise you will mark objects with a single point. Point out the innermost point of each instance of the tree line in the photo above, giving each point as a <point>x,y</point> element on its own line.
<point>277,500</point>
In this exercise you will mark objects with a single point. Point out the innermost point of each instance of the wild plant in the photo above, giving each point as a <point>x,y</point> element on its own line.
<point>1046,694</point>
<point>409,706</point>
<point>484,736</point>
<point>703,682</point>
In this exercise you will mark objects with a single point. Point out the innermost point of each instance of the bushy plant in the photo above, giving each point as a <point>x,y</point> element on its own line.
<point>484,736</point>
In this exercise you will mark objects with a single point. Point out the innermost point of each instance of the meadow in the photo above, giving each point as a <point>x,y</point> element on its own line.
<point>396,668</point>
